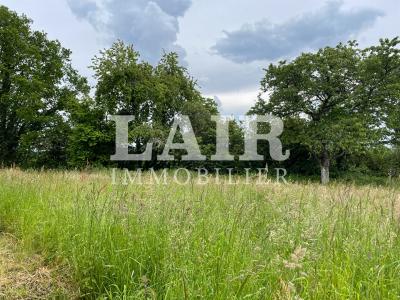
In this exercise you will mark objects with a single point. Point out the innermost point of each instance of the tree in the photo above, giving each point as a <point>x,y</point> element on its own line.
<point>36,82</point>
<point>335,98</point>
<point>177,93</point>
<point>380,80</point>
<point>90,140</point>
<point>153,95</point>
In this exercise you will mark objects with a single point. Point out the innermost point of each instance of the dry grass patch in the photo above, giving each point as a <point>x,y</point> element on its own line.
<point>23,277</point>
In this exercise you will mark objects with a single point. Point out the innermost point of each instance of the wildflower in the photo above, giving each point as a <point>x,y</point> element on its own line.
<point>288,291</point>
<point>296,258</point>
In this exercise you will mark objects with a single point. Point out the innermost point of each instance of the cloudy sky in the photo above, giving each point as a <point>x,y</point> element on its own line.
<point>225,44</point>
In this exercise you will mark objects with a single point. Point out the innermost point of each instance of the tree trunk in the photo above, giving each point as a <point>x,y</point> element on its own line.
<point>325,164</point>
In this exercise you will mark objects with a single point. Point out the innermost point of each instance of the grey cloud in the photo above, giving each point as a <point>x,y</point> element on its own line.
<point>264,41</point>
<point>151,26</point>
<point>175,8</point>
<point>83,9</point>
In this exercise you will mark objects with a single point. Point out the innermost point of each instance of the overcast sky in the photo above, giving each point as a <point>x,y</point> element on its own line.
<point>225,44</point>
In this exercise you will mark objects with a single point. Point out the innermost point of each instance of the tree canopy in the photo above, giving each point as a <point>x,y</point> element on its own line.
<point>36,83</point>
<point>153,95</point>
<point>341,99</point>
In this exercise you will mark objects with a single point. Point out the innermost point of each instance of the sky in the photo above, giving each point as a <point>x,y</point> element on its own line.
<point>225,44</point>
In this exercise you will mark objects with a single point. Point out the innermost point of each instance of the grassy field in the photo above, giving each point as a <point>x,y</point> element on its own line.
<point>273,241</point>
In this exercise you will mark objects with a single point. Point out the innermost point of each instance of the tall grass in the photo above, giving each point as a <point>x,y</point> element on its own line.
<point>208,241</point>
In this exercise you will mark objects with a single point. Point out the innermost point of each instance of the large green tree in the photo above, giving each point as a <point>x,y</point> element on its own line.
<point>339,98</point>
<point>153,95</point>
<point>36,82</point>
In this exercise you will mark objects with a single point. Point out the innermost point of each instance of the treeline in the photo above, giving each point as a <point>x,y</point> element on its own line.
<point>49,118</point>
<point>340,106</point>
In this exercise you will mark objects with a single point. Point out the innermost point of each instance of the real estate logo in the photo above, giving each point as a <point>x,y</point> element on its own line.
<point>193,153</point>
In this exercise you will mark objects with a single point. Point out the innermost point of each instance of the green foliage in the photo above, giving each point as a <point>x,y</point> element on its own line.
<point>90,141</point>
<point>153,95</point>
<point>380,86</point>
<point>342,99</point>
<point>36,82</point>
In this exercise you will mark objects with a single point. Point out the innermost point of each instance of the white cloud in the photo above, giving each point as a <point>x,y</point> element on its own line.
<point>237,102</point>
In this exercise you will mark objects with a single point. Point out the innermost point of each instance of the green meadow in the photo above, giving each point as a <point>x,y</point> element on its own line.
<point>214,241</point>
